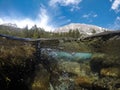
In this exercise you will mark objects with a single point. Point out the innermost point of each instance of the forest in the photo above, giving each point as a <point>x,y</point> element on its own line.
<point>36,32</point>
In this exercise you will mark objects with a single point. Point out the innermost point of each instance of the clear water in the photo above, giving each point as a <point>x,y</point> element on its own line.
<point>71,56</point>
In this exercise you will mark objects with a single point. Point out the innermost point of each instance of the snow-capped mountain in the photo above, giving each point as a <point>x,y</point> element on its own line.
<point>9,25</point>
<point>84,29</point>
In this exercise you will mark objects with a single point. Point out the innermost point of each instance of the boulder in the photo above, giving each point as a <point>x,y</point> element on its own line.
<point>70,67</point>
<point>84,81</point>
<point>110,72</point>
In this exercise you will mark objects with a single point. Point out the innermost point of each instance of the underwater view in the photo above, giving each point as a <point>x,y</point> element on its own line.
<point>59,44</point>
<point>88,64</point>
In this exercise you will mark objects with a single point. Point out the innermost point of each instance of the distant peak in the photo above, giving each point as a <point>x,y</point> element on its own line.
<point>85,29</point>
<point>9,24</point>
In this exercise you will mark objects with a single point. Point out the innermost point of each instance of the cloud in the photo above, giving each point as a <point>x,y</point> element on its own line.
<point>43,20</point>
<point>69,20</point>
<point>118,18</point>
<point>72,3</point>
<point>110,0</point>
<point>116,24</point>
<point>90,15</point>
<point>74,8</point>
<point>64,2</point>
<point>95,15</point>
<point>116,5</point>
<point>85,16</point>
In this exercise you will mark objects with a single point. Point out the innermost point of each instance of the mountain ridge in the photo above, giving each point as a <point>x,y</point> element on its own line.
<point>84,29</point>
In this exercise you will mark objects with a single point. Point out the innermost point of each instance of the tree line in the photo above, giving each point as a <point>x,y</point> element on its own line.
<point>36,32</point>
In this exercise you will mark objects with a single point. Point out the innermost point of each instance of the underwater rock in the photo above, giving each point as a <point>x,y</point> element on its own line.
<point>107,83</point>
<point>84,81</point>
<point>70,67</point>
<point>96,62</point>
<point>41,79</point>
<point>111,72</point>
<point>100,61</point>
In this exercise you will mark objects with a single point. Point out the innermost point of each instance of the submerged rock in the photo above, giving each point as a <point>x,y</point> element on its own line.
<point>96,62</point>
<point>41,79</point>
<point>107,83</point>
<point>84,81</point>
<point>70,67</point>
<point>110,72</point>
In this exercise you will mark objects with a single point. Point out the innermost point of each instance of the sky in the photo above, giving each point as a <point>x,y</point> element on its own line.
<point>51,14</point>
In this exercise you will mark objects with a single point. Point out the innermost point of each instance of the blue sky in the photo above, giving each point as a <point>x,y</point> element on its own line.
<point>50,14</point>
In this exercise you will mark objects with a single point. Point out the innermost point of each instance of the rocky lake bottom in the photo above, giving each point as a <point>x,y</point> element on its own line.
<point>84,65</point>
<point>80,71</point>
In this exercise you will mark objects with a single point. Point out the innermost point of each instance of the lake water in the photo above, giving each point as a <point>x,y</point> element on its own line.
<point>71,56</point>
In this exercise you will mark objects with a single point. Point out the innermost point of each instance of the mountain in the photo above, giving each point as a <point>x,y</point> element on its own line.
<point>9,26</point>
<point>84,29</point>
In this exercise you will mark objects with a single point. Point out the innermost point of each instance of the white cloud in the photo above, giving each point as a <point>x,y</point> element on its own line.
<point>90,15</point>
<point>95,15</point>
<point>74,8</point>
<point>43,21</point>
<point>116,24</point>
<point>110,0</point>
<point>118,18</point>
<point>69,20</point>
<point>116,5</point>
<point>71,3</point>
<point>85,16</point>
<point>64,2</point>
